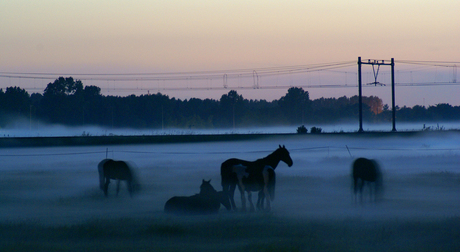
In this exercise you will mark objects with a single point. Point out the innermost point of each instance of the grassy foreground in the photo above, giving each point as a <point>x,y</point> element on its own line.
<point>235,232</point>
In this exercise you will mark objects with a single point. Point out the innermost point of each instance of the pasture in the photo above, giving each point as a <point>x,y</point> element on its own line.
<point>50,198</point>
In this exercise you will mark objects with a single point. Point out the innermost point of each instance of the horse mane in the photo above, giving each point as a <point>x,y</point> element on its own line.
<point>271,158</point>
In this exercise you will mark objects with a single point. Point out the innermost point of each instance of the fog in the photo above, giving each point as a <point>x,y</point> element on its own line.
<point>23,127</point>
<point>60,185</point>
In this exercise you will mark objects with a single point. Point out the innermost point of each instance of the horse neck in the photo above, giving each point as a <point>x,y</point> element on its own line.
<point>272,160</point>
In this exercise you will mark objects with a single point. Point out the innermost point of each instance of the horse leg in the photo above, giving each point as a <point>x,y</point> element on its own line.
<point>373,190</point>
<point>243,198</point>
<point>260,200</point>
<point>361,186</point>
<point>106,187</point>
<point>118,186</point>
<point>267,194</point>
<point>355,189</point>
<point>231,195</point>
<point>130,187</point>
<point>268,199</point>
<point>252,209</point>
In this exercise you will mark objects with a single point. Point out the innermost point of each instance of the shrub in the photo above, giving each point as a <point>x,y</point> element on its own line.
<point>315,130</point>
<point>302,130</point>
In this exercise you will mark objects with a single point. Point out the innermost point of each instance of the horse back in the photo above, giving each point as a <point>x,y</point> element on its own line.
<point>227,174</point>
<point>196,204</point>
<point>366,169</point>
<point>117,170</point>
<point>226,167</point>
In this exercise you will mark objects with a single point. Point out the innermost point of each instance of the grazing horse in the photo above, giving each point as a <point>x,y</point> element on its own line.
<point>206,202</point>
<point>366,172</point>
<point>118,170</point>
<point>252,174</point>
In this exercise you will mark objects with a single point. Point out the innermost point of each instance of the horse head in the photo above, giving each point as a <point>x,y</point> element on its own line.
<point>206,188</point>
<point>284,156</point>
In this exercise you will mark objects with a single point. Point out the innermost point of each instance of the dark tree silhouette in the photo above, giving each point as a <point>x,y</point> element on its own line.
<point>66,101</point>
<point>295,105</point>
<point>231,106</point>
<point>62,101</point>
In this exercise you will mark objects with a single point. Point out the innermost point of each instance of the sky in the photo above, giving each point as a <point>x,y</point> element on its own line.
<point>62,38</point>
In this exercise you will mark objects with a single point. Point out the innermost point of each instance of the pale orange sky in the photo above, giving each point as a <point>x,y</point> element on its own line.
<point>174,36</point>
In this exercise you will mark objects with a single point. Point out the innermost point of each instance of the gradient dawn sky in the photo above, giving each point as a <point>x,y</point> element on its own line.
<point>118,36</point>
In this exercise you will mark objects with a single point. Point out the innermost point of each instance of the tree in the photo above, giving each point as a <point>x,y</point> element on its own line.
<point>16,101</point>
<point>231,106</point>
<point>63,101</point>
<point>63,86</point>
<point>375,104</point>
<point>295,105</point>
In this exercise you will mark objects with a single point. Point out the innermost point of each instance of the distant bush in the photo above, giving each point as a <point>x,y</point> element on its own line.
<point>302,130</point>
<point>315,130</point>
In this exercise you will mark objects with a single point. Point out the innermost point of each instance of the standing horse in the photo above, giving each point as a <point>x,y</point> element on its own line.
<point>256,175</point>
<point>118,170</point>
<point>262,182</point>
<point>366,171</point>
<point>206,202</point>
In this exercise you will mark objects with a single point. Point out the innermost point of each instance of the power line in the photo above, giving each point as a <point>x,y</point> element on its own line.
<point>226,75</point>
<point>198,75</point>
<point>429,63</point>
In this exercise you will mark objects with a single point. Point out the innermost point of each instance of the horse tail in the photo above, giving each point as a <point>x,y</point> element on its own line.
<point>100,168</point>
<point>271,183</point>
<point>225,177</point>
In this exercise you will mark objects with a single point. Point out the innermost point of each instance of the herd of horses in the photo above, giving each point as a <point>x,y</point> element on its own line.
<point>249,176</point>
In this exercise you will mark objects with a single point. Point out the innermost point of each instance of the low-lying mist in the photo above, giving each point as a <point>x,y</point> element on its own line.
<point>24,127</point>
<point>50,196</point>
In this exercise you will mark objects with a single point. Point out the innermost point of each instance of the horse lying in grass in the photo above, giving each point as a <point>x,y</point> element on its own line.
<point>208,201</point>
<point>367,172</point>
<point>255,174</point>
<point>118,170</point>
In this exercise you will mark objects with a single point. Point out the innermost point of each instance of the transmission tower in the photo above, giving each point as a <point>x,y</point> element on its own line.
<point>377,63</point>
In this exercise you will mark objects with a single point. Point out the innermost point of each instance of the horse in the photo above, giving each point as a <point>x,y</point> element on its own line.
<point>118,170</point>
<point>208,201</point>
<point>262,182</point>
<point>255,174</point>
<point>366,172</point>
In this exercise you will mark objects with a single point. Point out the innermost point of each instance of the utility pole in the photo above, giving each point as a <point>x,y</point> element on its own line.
<point>377,63</point>
<point>360,96</point>
<point>393,94</point>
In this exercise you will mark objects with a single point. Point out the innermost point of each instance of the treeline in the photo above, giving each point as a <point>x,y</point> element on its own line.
<point>66,101</point>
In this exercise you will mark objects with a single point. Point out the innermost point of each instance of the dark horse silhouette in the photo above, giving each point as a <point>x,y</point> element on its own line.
<point>250,176</point>
<point>118,170</point>
<point>262,182</point>
<point>206,202</point>
<point>367,172</point>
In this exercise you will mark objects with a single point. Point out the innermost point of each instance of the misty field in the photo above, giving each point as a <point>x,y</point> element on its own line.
<point>50,198</point>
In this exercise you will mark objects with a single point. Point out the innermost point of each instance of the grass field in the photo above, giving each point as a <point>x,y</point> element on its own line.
<point>50,198</point>
<point>239,232</point>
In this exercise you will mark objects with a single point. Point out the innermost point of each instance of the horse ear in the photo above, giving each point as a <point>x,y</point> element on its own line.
<point>279,145</point>
<point>284,147</point>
